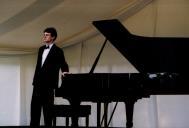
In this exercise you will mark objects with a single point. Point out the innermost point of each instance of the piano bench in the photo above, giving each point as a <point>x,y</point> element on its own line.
<point>66,111</point>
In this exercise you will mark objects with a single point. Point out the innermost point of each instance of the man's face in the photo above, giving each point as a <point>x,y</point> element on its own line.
<point>47,38</point>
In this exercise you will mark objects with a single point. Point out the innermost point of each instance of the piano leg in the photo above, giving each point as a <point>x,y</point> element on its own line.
<point>129,104</point>
<point>106,115</point>
<point>75,103</point>
<point>98,114</point>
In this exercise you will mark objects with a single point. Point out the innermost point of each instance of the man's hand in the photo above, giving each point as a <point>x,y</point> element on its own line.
<point>64,74</point>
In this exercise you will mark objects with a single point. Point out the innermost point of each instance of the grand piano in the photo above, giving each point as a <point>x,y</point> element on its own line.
<point>161,62</point>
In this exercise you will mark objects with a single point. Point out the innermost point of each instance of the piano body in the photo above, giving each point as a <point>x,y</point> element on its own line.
<point>159,60</point>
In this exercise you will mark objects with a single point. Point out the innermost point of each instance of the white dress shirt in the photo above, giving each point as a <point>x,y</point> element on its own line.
<point>45,53</point>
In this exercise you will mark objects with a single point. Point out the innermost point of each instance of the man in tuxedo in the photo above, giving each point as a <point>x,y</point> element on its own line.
<point>49,63</point>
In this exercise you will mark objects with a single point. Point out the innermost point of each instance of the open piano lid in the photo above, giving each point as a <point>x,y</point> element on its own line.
<point>147,54</point>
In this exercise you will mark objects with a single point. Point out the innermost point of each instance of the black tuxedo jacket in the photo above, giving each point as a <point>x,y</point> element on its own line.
<point>47,75</point>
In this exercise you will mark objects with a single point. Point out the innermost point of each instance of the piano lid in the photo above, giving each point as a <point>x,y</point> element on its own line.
<point>147,54</point>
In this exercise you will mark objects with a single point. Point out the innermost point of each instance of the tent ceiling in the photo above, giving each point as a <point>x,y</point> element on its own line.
<point>22,22</point>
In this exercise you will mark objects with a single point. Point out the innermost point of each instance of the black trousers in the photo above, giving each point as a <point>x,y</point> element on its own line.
<point>42,99</point>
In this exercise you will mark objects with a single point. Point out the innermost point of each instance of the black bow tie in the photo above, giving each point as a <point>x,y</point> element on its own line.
<point>46,47</point>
